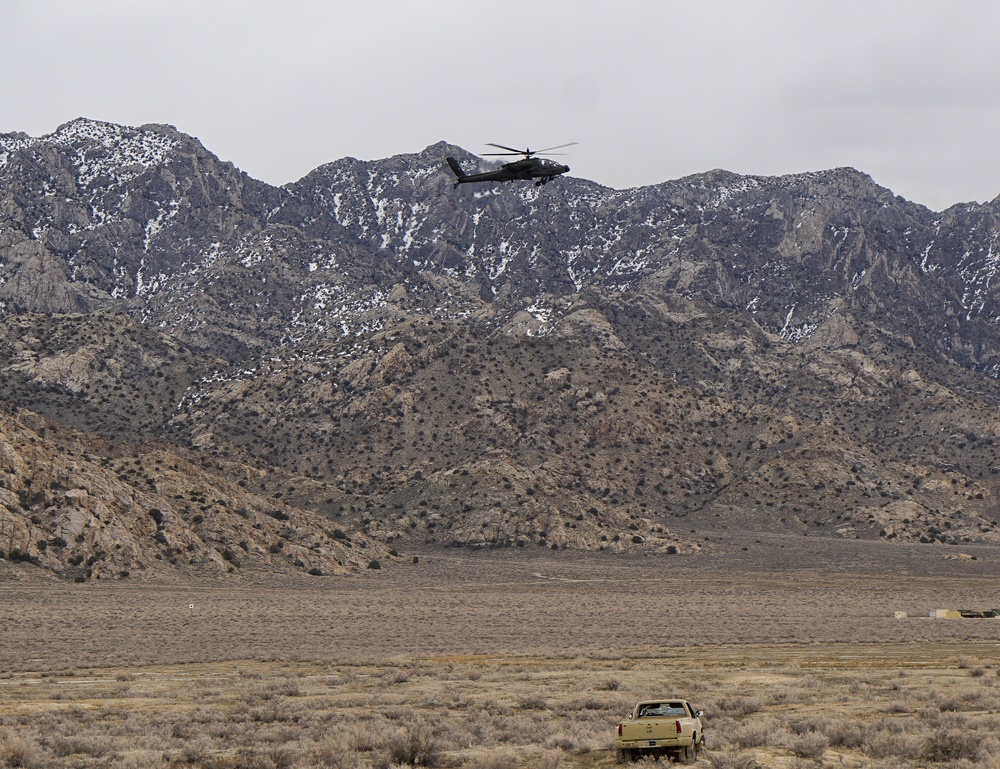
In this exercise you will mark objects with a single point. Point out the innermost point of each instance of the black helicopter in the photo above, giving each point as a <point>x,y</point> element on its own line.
<point>526,169</point>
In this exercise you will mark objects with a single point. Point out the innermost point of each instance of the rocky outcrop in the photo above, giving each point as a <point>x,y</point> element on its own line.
<point>85,516</point>
<point>38,281</point>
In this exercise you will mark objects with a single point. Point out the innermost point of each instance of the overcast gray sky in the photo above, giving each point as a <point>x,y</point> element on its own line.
<point>905,90</point>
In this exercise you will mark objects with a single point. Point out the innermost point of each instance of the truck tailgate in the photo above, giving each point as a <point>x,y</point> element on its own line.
<point>661,731</point>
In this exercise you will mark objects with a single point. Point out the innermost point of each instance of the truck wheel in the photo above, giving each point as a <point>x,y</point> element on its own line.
<point>627,756</point>
<point>690,753</point>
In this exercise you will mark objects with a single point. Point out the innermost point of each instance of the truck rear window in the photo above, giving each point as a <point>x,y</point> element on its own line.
<point>663,710</point>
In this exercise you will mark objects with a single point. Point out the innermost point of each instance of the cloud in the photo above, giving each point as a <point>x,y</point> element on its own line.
<point>652,89</point>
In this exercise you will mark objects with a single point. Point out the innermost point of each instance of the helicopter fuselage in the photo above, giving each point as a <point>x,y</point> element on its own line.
<point>527,169</point>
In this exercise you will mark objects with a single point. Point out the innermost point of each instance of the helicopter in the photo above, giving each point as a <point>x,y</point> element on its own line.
<point>525,169</point>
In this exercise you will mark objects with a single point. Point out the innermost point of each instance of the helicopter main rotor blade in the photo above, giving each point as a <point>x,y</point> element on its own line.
<point>511,150</point>
<point>557,147</point>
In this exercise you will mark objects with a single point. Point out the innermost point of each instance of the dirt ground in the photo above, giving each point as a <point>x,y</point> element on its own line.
<point>522,658</point>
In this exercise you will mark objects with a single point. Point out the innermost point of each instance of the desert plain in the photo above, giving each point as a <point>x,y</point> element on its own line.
<point>514,658</point>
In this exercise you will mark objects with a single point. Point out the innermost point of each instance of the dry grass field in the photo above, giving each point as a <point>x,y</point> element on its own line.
<point>511,660</point>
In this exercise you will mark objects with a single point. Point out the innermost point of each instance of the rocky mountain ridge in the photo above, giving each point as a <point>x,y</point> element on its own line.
<point>567,366</point>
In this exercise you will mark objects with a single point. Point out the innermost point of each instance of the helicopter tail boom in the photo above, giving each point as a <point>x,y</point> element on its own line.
<point>456,168</point>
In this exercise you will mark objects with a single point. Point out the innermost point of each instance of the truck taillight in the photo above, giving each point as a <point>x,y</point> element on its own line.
<point>619,730</point>
<point>678,726</point>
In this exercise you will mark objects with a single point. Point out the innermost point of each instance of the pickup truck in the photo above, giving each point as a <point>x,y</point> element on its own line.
<point>661,727</point>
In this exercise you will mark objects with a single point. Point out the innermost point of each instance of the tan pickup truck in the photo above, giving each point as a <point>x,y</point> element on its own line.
<point>661,727</point>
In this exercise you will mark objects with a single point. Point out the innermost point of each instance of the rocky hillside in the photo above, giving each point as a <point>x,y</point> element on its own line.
<point>82,509</point>
<point>386,360</point>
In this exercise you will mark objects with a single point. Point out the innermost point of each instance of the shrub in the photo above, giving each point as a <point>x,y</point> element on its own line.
<point>19,753</point>
<point>335,754</point>
<point>951,746</point>
<point>69,745</point>
<point>361,738</point>
<point>810,745</point>
<point>247,758</point>
<point>741,706</point>
<point>533,702</point>
<point>146,759</point>
<point>196,751</point>
<point>497,759</point>
<point>751,735</point>
<point>414,745</point>
<point>732,759</point>
<point>843,734</point>
<point>885,739</point>
<point>566,742</point>
<point>951,705</point>
<point>281,757</point>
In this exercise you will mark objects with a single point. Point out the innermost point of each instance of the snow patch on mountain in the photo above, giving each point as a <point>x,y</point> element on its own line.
<point>979,271</point>
<point>108,152</point>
